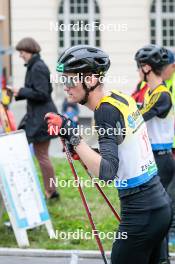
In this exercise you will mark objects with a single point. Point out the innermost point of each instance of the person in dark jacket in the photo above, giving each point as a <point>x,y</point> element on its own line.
<point>37,91</point>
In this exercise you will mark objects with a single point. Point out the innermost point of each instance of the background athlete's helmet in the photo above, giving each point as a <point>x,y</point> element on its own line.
<point>83,59</point>
<point>153,55</point>
<point>171,56</point>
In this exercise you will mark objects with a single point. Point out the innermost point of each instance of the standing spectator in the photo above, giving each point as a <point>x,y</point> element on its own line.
<point>37,91</point>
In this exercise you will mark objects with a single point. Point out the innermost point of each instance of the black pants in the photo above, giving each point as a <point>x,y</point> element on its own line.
<point>145,233</point>
<point>166,168</point>
<point>166,171</point>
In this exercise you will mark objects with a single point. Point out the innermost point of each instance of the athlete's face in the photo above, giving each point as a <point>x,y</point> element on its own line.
<point>140,74</point>
<point>73,87</point>
<point>168,72</point>
<point>146,69</point>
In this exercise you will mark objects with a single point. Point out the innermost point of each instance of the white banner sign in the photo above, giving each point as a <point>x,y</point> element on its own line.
<point>19,184</point>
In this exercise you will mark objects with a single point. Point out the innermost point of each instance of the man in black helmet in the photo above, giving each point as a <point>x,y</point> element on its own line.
<point>157,108</point>
<point>80,60</point>
<point>125,157</point>
<point>157,111</point>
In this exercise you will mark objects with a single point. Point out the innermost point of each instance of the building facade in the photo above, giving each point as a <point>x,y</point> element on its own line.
<point>118,27</point>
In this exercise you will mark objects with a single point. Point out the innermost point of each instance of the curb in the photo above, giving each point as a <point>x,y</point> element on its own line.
<point>55,253</point>
<point>51,253</point>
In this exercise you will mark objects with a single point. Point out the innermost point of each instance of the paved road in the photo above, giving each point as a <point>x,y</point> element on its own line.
<point>38,260</point>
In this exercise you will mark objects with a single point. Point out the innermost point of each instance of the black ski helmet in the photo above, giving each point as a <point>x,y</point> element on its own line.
<point>153,55</point>
<point>84,59</point>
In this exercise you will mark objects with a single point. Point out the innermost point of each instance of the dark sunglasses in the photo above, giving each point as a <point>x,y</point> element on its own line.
<point>69,81</point>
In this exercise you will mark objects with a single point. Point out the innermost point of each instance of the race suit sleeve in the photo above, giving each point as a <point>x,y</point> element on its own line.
<point>109,120</point>
<point>159,105</point>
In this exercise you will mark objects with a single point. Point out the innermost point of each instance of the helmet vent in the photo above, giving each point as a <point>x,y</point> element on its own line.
<point>156,58</point>
<point>92,50</point>
<point>69,57</point>
<point>99,60</point>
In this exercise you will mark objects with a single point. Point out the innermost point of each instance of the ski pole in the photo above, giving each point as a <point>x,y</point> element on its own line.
<point>102,193</point>
<point>84,201</point>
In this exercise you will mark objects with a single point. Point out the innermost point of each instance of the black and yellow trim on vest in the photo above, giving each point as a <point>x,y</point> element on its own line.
<point>126,105</point>
<point>152,98</point>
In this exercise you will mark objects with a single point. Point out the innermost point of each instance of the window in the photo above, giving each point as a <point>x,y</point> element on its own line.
<point>78,22</point>
<point>78,6</point>
<point>162,22</point>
